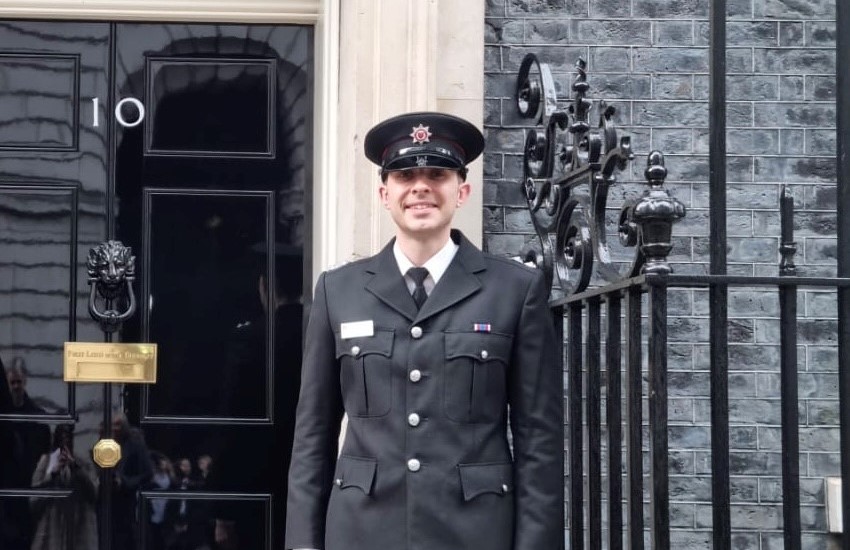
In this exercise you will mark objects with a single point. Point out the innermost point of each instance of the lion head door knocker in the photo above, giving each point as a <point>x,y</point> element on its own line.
<point>111,269</point>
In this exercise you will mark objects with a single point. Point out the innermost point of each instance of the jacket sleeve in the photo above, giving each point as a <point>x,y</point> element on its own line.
<point>317,427</point>
<point>536,419</point>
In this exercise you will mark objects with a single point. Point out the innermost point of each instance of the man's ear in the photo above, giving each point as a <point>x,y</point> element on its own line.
<point>463,191</point>
<point>382,194</point>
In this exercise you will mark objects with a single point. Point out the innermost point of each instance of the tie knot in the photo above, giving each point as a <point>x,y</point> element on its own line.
<point>418,274</point>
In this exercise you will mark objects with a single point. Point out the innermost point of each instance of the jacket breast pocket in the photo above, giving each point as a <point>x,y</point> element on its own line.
<point>475,376</point>
<point>365,373</point>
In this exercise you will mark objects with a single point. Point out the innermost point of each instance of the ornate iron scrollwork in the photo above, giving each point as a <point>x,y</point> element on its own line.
<point>111,270</point>
<point>568,170</point>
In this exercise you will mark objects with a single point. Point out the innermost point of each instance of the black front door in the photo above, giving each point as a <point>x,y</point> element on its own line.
<point>192,144</point>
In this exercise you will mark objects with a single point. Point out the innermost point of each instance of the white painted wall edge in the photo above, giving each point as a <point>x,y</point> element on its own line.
<point>834,521</point>
<point>325,202</point>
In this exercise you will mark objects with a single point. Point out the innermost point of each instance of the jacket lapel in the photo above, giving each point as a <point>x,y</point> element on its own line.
<point>388,285</point>
<point>458,282</point>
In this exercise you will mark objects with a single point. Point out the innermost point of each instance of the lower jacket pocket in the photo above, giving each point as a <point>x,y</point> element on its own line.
<point>479,479</point>
<point>357,472</point>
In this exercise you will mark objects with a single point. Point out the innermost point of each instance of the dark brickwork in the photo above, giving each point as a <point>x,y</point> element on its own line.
<point>649,58</point>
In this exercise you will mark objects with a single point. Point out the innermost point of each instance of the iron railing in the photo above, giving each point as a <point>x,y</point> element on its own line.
<point>569,169</point>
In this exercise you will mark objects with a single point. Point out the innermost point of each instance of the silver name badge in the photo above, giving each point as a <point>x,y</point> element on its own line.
<point>356,329</point>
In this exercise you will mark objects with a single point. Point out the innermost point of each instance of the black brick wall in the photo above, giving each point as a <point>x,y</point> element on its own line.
<point>649,58</point>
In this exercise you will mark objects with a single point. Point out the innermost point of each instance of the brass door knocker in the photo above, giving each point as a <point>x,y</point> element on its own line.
<point>111,270</point>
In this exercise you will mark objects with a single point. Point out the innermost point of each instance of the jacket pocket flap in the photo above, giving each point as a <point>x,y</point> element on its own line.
<point>356,472</point>
<point>478,345</point>
<point>380,343</point>
<point>477,479</point>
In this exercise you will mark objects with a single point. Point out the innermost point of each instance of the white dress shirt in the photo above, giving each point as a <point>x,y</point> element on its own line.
<point>436,266</point>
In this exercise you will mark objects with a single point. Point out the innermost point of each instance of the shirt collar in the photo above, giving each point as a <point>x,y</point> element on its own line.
<point>436,264</point>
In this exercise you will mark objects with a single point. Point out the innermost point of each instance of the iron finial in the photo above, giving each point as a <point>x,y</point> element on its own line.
<point>655,213</point>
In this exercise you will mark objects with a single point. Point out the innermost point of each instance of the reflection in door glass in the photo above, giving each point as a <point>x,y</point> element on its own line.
<point>211,106</point>
<point>200,521</point>
<point>35,297</point>
<point>213,190</point>
<point>64,468</point>
<point>38,101</point>
<point>23,442</point>
<point>58,489</point>
<point>208,258</point>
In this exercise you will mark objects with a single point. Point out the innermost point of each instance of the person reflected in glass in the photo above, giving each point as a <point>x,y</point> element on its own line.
<point>15,528</point>
<point>188,531</point>
<point>203,509</point>
<point>132,472</point>
<point>33,436</point>
<point>163,480</point>
<point>204,462</point>
<point>61,468</point>
<point>25,442</point>
<point>17,375</point>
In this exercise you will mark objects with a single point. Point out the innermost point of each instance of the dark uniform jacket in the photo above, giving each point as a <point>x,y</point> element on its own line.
<point>426,463</point>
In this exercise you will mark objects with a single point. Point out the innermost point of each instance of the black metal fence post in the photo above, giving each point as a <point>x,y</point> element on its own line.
<point>574,362</point>
<point>718,293</point>
<point>634,416</point>
<point>842,90</point>
<point>789,380</point>
<point>558,321</point>
<point>593,401</point>
<point>614,419</point>
<point>658,449</point>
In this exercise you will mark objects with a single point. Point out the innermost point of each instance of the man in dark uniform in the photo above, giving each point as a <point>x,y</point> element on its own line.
<point>431,348</point>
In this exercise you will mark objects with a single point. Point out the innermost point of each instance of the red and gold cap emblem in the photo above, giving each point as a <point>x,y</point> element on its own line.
<point>421,134</point>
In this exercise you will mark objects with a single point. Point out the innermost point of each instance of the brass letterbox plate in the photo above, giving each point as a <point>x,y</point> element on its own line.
<point>103,362</point>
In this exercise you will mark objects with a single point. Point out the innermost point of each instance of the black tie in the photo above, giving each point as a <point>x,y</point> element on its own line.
<point>418,274</point>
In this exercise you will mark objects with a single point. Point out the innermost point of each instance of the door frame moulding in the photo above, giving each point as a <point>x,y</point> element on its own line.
<point>323,15</point>
<point>242,11</point>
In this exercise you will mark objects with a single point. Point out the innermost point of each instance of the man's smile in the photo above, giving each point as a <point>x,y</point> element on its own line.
<point>420,206</point>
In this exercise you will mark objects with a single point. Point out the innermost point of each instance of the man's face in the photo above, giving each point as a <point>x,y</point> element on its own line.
<point>17,386</point>
<point>422,201</point>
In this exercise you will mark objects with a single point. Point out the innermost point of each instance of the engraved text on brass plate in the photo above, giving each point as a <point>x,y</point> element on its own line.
<point>110,362</point>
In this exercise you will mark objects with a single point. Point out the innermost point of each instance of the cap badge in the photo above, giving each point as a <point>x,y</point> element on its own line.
<point>421,134</point>
<point>421,161</point>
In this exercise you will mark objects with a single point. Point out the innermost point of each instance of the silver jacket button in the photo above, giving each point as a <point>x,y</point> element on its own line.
<point>338,482</point>
<point>413,465</point>
<point>355,350</point>
<point>413,419</point>
<point>484,354</point>
<point>415,375</point>
<point>416,332</point>
<point>504,488</point>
